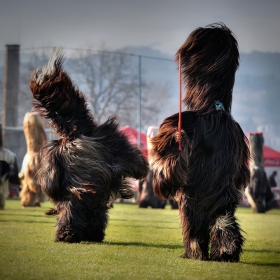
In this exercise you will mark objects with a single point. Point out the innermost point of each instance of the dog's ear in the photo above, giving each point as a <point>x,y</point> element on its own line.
<point>209,56</point>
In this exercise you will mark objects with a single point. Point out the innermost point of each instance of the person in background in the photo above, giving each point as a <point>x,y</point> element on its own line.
<point>271,179</point>
<point>274,189</point>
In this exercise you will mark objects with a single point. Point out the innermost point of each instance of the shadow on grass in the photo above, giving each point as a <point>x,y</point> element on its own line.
<point>27,221</point>
<point>143,212</point>
<point>23,210</point>
<point>144,226</point>
<point>141,244</point>
<point>262,251</point>
<point>148,224</point>
<point>146,221</point>
<point>26,214</point>
<point>261,264</point>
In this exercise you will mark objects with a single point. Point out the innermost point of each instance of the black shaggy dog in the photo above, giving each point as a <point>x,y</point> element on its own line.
<point>89,166</point>
<point>210,172</point>
<point>258,193</point>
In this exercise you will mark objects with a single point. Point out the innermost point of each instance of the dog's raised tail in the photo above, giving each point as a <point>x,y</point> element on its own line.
<point>59,100</point>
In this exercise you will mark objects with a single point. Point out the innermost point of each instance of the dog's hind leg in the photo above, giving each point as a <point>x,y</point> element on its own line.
<point>195,232</point>
<point>196,245</point>
<point>79,222</point>
<point>226,238</point>
<point>66,232</point>
<point>71,221</point>
<point>95,230</point>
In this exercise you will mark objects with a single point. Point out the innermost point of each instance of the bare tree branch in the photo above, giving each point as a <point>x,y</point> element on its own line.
<point>110,84</point>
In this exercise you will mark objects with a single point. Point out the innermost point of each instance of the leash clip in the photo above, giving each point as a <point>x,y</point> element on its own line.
<point>219,106</point>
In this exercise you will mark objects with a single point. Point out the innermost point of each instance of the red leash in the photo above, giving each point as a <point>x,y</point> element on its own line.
<point>180,101</point>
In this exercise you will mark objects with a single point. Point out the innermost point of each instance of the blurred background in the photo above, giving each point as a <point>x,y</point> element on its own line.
<point>120,53</point>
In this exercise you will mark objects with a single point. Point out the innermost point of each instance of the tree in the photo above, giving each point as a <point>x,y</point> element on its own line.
<point>29,62</point>
<point>109,80</point>
<point>111,83</point>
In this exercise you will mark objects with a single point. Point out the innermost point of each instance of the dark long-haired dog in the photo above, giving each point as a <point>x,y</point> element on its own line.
<point>258,192</point>
<point>90,165</point>
<point>209,173</point>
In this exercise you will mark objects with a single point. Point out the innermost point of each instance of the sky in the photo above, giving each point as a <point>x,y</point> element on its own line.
<point>114,24</point>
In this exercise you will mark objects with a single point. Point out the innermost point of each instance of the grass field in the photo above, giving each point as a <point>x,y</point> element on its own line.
<point>139,244</point>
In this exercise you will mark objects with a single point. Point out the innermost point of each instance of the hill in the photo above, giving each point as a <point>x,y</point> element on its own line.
<point>256,95</point>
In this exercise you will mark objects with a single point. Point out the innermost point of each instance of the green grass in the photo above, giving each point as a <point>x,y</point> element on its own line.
<point>139,244</point>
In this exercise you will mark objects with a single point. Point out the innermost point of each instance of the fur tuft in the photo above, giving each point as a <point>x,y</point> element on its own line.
<point>59,101</point>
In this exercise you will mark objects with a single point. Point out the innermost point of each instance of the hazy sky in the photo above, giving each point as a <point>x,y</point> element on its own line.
<point>161,24</point>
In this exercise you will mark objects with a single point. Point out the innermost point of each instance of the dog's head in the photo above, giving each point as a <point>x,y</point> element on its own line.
<point>210,58</point>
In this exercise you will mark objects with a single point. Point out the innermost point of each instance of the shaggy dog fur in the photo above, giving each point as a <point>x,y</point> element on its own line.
<point>31,193</point>
<point>4,171</point>
<point>4,182</point>
<point>258,193</point>
<point>89,166</point>
<point>146,193</point>
<point>148,198</point>
<point>210,172</point>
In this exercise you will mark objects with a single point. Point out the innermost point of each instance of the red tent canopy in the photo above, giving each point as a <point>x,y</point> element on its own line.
<point>132,135</point>
<point>270,157</point>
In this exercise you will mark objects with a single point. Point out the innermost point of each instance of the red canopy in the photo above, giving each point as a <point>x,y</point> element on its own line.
<point>270,157</point>
<point>132,135</point>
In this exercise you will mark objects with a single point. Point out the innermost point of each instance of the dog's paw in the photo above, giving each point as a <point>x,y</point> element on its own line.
<point>68,238</point>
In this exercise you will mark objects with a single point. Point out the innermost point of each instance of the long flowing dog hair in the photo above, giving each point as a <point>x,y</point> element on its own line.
<point>31,192</point>
<point>210,58</point>
<point>89,165</point>
<point>210,172</point>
